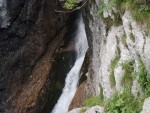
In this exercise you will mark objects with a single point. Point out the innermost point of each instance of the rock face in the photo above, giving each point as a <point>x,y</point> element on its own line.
<point>95,109</point>
<point>113,46</point>
<point>32,36</point>
<point>146,108</point>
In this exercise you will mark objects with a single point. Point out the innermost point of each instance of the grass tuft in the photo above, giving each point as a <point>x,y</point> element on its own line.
<point>128,75</point>
<point>124,103</point>
<point>140,9</point>
<point>93,100</point>
<point>113,65</point>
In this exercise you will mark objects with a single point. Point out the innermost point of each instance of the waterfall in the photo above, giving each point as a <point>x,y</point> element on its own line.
<point>73,76</point>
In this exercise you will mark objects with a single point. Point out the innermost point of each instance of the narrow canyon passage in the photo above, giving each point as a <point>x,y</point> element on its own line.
<point>48,64</point>
<point>72,78</point>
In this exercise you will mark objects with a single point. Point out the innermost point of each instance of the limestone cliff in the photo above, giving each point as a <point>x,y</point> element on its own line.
<point>120,56</point>
<point>37,50</point>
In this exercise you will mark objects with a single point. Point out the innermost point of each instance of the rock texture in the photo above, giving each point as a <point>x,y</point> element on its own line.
<point>95,109</point>
<point>128,41</point>
<point>32,36</point>
<point>146,108</point>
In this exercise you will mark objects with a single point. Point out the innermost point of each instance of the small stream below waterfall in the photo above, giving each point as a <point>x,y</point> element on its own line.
<point>81,46</point>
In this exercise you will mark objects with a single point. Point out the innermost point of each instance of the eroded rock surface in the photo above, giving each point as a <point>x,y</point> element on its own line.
<point>112,46</point>
<point>94,109</point>
<point>146,108</point>
<point>32,36</point>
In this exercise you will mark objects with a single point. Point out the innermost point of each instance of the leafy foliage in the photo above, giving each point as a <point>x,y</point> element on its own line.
<point>124,103</point>
<point>105,7</point>
<point>139,9</point>
<point>70,4</point>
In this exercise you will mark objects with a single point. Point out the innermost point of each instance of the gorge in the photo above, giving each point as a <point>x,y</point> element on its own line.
<point>72,78</point>
<point>41,46</point>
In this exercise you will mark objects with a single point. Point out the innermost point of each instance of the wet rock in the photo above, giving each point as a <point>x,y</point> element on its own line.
<point>29,44</point>
<point>81,91</point>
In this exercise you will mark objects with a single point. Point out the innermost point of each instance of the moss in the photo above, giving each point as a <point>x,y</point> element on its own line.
<point>101,92</point>
<point>128,74</point>
<point>143,80</point>
<point>118,49</point>
<point>93,100</point>
<point>113,65</point>
<point>123,39</point>
<point>83,110</point>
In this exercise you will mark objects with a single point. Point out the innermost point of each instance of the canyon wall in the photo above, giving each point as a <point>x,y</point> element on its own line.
<point>117,42</point>
<point>34,46</point>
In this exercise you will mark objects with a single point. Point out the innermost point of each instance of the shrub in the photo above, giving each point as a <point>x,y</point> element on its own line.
<point>139,9</point>
<point>69,4</point>
<point>124,103</point>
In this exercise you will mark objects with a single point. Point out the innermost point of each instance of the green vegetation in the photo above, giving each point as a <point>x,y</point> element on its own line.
<point>117,19</point>
<point>128,75</point>
<point>113,65</point>
<point>123,39</point>
<point>103,7</point>
<point>124,102</point>
<point>83,110</point>
<point>143,80</point>
<point>101,92</point>
<point>94,100</point>
<point>140,9</point>
<point>70,4</point>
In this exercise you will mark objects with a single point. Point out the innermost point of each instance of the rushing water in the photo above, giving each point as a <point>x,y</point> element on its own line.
<point>73,76</point>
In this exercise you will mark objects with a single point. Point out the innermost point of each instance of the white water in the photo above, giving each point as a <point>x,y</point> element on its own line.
<point>73,76</point>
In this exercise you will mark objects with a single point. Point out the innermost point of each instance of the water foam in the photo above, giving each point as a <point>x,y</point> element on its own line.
<point>73,76</point>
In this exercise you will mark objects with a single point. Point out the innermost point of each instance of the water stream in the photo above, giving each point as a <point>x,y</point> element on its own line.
<point>72,78</point>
